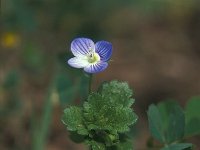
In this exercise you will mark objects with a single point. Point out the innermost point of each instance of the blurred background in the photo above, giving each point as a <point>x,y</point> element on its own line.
<point>156,49</point>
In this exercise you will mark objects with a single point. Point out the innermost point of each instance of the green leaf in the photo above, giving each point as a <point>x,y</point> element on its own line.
<point>155,123</point>
<point>165,108</point>
<point>176,125</point>
<point>77,138</point>
<point>108,110</point>
<point>118,93</point>
<point>166,121</point>
<point>96,145</point>
<point>178,146</point>
<point>127,145</point>
<point>192,112</point>
<point>173,120</point>
<point>73,120</point>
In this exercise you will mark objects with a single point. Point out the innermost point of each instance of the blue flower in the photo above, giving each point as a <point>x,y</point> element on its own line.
<point>89,56</point>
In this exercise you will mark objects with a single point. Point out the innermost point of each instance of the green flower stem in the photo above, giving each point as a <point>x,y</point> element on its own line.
<point>90,83</point>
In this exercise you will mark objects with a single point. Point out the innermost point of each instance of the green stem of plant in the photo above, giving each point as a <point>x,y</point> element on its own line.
<point>90,84</point>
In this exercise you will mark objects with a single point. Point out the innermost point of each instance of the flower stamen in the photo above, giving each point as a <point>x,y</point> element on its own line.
<point>93,57</point>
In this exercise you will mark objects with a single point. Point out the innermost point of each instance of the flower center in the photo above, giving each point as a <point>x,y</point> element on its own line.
<point>93,57</point>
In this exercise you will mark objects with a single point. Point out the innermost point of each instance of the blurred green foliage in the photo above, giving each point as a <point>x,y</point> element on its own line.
<point>65,88</point>
<point>12,80</point>
<point>33,58</point>
<point>69,90</point>
<point>40,126</point>
<point>10,92</point>
<point>35,61</point>
<point>80,17</point>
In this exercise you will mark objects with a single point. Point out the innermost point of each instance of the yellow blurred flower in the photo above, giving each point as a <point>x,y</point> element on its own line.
<point>10,40</point>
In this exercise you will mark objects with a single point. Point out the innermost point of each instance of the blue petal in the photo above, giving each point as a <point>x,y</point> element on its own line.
<point>77,62</point>
<point>95,68</point>
<point>104,49</point>
<point>81,46</point>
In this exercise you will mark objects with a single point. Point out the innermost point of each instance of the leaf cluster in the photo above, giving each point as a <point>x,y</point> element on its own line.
<point>104,118</point>
<point>170,124</point>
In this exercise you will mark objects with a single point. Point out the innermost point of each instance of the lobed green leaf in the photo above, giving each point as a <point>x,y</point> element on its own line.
<point>166,122</point>
<point>107,110</point>
<point>96,145</point>
<point>73,119</point>
<point>155,123</point>
<point>127,145</point>
<point>178,146</point>
<point>173,119</point>
<point>192,113</point>
<point>118,93</point>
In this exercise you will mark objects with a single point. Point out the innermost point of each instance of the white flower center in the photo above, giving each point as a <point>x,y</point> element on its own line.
<point>93,57</point>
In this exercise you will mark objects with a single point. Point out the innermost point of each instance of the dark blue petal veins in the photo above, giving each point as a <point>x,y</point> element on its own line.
<point>95,68</point>
<point>81,46</point>
<point>104,49</point>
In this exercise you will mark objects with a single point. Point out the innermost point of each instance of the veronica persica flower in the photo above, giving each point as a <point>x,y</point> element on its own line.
<point>92,57</point>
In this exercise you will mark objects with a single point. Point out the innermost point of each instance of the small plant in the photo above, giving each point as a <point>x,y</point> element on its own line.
<point>104,118</point>
<point>106,115</point>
